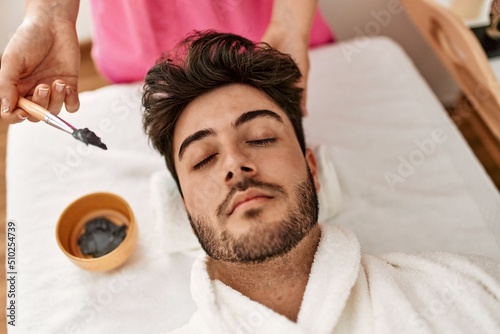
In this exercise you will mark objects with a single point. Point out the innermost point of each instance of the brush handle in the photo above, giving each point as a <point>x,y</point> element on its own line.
<point>32,108</point>
<point>43,114</point>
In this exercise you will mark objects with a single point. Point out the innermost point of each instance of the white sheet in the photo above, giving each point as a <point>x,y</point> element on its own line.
<point>370,110</point>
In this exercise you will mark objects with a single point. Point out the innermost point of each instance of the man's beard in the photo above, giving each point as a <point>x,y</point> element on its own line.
<point>265,239</point>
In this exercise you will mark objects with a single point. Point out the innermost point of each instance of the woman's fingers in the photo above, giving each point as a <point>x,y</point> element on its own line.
<point>41,96</point>
<point>60,94</point>
<point>51,98</point>
<point>72,102</point>
<point>57,96</point>
<point>15,116</point>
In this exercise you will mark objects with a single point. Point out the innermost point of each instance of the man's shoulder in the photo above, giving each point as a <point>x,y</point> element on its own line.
<point>442,262</point>
<point>435,290</point>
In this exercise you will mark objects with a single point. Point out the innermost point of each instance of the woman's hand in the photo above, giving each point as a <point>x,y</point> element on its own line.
<point>289,31</point>
<point>41,62</point>
<point>286,41</point>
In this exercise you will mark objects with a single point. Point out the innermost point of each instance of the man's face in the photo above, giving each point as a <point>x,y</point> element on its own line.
<point>249,191</point>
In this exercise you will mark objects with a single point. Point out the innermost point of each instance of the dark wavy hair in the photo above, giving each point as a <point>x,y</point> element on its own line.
<point>208,60</point>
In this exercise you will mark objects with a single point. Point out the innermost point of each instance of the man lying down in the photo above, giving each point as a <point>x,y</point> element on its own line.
<point>227,111</point>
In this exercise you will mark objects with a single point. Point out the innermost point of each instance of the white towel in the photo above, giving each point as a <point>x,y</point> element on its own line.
<point>170,217</point>
<point>352,293</point>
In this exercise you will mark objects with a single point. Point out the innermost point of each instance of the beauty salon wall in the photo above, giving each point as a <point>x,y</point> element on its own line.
<point>360,18</point>
<point>348,18</point>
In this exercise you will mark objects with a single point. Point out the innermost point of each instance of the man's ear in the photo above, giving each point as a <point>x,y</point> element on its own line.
<point>313,166</point>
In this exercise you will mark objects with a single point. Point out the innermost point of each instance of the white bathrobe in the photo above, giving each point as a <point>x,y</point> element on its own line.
<point>348,292</point>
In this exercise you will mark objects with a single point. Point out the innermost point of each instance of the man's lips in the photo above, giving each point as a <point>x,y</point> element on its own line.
<point>247,196</point>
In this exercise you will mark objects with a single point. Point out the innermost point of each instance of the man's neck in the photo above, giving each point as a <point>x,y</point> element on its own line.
<point>278,283</point>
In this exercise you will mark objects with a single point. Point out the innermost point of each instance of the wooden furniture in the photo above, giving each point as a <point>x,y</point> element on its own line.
<point>466,61</point>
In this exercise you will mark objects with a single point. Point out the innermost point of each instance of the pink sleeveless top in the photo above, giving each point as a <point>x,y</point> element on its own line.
<point>130,35</point>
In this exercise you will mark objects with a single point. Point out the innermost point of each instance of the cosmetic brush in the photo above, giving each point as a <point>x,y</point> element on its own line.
<point>42,114</point>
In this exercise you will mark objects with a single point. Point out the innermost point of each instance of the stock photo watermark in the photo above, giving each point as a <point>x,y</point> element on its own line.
<point>436,307</point>
<point>380,19</point>
<point>409,163</point>
<point>253,321</point>
<point>90,308</point>
<point>11,272</point>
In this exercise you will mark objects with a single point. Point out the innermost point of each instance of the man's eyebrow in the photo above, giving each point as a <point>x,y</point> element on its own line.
<point>250,115</point>
<point>198,135</point>
<point>243,118</point>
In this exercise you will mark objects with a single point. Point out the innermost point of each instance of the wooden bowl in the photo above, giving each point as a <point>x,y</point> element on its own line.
<point>71,226</point>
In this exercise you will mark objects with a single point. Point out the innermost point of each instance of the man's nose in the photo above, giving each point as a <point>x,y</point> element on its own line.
<point>239,164</point>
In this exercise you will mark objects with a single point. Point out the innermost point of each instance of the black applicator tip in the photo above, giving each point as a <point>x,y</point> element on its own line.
<point>88,137</point>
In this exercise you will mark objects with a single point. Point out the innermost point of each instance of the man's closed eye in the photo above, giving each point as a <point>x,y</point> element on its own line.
<point>262,142</point>
<point>204,162</point>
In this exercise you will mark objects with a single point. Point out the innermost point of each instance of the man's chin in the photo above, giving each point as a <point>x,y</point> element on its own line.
<point>256,242</point>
